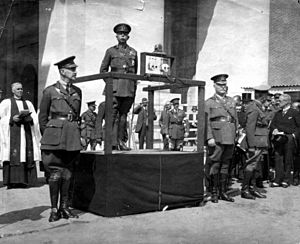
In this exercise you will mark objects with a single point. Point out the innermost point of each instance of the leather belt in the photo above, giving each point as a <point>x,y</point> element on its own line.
<point>177,123</point>
<point>68,117</point>
<point>222,119</point>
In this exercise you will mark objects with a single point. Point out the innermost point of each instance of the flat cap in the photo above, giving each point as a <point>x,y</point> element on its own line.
<point>66,63</point>
<point>91,103</point>
<point>220,79</point>
<point>175,101</point>
<point>122,27</point>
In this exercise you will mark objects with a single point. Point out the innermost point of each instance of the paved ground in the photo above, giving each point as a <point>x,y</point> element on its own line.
<point>24,219</point>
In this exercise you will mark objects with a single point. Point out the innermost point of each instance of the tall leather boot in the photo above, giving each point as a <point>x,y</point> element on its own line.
<point>214,188</point>
<point>254,190</point>
<point>64,210</point>
<point>223,187</point>
<point>54,185</point>
<point>245,192</point>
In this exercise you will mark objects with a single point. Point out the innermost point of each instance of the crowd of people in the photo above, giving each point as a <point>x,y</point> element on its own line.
<point>239,134</point>
<point>253,136</point>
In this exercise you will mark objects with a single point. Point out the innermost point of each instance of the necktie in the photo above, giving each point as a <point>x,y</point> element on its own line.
<point>68,88</point>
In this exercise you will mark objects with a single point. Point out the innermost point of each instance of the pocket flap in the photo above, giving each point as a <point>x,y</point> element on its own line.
<point>261,131</point>
<point>56,123</point>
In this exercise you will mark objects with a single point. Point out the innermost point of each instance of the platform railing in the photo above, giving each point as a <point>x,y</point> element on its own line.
<point>169,83</point>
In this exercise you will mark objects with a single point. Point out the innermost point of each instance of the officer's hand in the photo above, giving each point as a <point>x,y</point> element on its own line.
<point>186,134</point>
<point>168,137</point>
<point>211,142</point>
<point>16,118</point>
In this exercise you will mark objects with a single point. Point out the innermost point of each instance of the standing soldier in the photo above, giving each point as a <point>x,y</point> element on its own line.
<point>163,125</point>
<point>88,121</point>
<point>121,58</point>
<point>178,126</point>
<point>60,144</point>
<point>222,124</point>
<point>257,137</point>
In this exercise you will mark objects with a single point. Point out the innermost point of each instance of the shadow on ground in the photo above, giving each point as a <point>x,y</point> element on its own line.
<point>19,215</point>
<point>39,183</point>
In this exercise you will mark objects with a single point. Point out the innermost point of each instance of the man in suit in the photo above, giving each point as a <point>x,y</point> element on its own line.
<point>285,128</point>
<point>121,58</point>
<point>163,124</point>
<point>88,121</point>
<point>178,126</point>
<point>59,124</point>
<point>142,121</point>
<point>222,123</point>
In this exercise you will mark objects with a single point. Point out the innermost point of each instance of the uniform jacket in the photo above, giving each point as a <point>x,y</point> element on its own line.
<point>88,119</point>
<point>288,123</point>
<point>142,117</point>
<point>222,131</point>
<point>121,60</point>
<point>163,123</point>
<point>60,134</point>
<point>99,121</point>
<point>177,125</point>
<point>5,117</point>
<point>257,132</point>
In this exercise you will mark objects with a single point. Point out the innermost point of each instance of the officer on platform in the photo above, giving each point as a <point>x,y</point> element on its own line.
<point>121,58</point>
<point>60,143</point>
<point>88,121</point>
<point>178,127</point>
<point>222,124</point>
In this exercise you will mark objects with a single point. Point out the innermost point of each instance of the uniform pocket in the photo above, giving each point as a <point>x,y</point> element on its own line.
<point>52,133</point>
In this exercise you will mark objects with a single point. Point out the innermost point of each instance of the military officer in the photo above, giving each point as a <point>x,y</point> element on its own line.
<point>121,58</point>
<point>257,138</point>
<point>88,121</point>
<point>222,124</point>
<point>60,143</point>
<point>178,126</point>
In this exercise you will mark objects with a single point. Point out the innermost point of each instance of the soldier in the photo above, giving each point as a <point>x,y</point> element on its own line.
<point>178,126</point>
<point>257,138</point>
<point>60,144</point>
<point>88,121</point>
<point>163,124</point>
<point>121,59</point>
<point>222,124</point>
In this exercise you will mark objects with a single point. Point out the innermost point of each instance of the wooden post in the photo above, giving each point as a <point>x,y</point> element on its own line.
<point>150,131</point>
<point>201,120</point>
<point>108,116</point>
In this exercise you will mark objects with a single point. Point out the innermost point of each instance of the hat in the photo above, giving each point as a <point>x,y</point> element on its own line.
<point>144,99</point>
<point>92,103</point>
<point>122,27</point>
<point>220,79</point>
<point>262,87</point>
<point>66,63</point>
<point>175,101</point>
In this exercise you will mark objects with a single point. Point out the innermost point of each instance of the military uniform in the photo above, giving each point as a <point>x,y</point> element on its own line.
<point>257,138</point>
<point>88,131</point>
<point>60,144</point>
<point>121,58</point>
<point>177,127</point>
<point>222,124</point>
